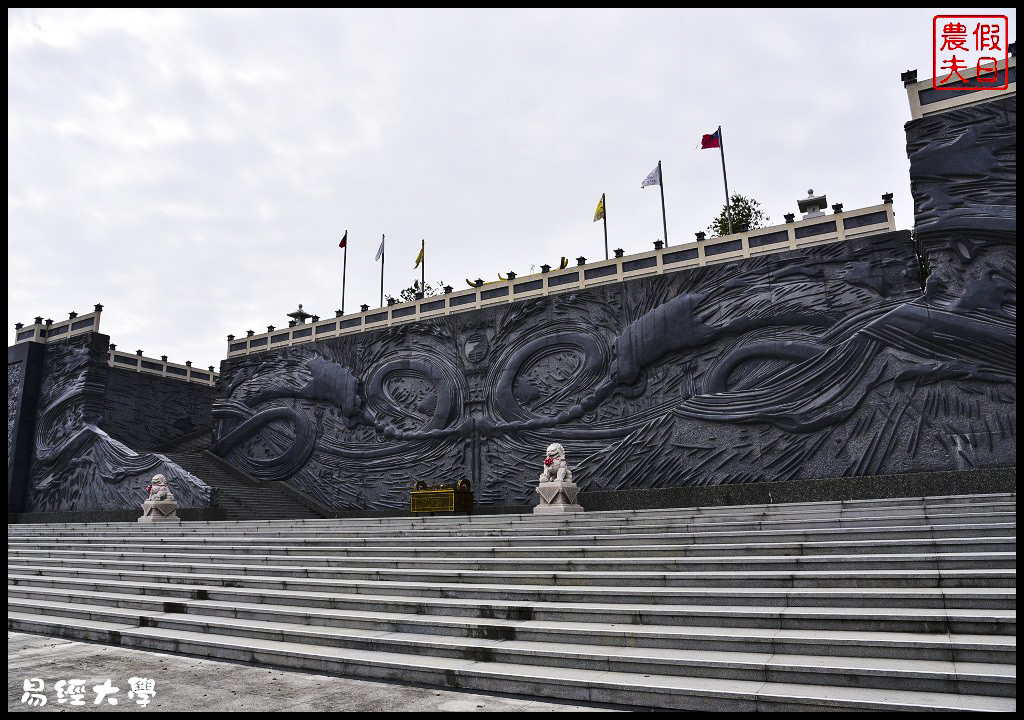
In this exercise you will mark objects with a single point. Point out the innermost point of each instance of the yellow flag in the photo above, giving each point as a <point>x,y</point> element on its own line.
<point>564,264</point>
<point>599,213</point>
<point>419,259</point>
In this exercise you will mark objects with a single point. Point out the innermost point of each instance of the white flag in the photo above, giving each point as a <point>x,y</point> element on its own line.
<point>654,178</point>
<point>380,250</point>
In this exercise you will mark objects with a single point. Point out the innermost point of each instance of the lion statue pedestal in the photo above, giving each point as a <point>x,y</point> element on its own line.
<point>161,506</point>
<point>556,489</point>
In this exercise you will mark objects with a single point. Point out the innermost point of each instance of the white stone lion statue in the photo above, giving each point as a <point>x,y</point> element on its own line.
<point>158,489</point>
<point>555,467</point>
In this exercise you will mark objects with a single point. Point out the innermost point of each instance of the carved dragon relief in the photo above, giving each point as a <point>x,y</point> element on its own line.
<point>75,464</point>
<point>791,352</point>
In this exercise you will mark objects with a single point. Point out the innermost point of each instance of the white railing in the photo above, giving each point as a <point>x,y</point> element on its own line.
<point>47,331</point>
<point>926,99</point>
<point>151,366</point>
<point>703,251</point>
<point>43,331</point>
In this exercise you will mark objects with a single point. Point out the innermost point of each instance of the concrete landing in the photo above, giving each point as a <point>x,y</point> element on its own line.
<point>186,684</point>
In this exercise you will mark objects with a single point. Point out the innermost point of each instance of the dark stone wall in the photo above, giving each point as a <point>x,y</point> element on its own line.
<point>199,514</point>
<point>994,480</point>
<point>963,169</point>
<point>963,177</point>
<point>24,369</point>
<point>144,411</point>
<point>909,485</point>
<point>76,466</point>
<point>822,362</point>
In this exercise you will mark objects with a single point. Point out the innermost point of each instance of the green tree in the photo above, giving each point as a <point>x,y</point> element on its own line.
<point>746,215</point>
<point>409,294</point>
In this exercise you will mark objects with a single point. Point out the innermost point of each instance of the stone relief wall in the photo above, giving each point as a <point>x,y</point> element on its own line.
<point>963,168</point>
<point>821,362</point>
<point>15,378</point>
<point>824,362</point>
<point>144,411</point>
<point>76,465</point>
<point>963,177</point>
<point>24,362</point>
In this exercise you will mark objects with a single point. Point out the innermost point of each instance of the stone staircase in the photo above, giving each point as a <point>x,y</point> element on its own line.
<point>240,497</point>
<point>905,604</point>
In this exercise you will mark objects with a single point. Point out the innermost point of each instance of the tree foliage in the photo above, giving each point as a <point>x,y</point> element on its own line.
<point>409,293</point>
<point>746,215</point>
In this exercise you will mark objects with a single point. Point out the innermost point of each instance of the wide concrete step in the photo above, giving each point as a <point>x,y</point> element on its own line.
<point>268,553</point>
<point>520,600</point>
<point>947,505</point>
<point>238,498</point>
<point>599,684</point>
<point>537,643</point>
<point>322,609</point>
<point>447,578</point>
<point>543,525</point>
<point>647,517</point>
<point>660,626</point>
<point>647,571</point>
<point>259,495</point>
<point>798,511</point>
<point>302,536</point>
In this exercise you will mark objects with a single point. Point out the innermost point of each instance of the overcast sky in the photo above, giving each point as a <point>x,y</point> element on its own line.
<point>194,170</point>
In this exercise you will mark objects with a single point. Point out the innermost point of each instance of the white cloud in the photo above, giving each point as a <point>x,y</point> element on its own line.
<point>194,169</point>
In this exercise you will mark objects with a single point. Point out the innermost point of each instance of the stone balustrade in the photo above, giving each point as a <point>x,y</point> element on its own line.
<point>151,366</point>
<point>778,238</point>
<point>43,331</point>
<point>48,331</point>
<point>926,99</point>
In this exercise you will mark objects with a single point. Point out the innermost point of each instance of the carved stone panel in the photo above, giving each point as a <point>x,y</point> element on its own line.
<point>822,362</point>
<point>75,464</point>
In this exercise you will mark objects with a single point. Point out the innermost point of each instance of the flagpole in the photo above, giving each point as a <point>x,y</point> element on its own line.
<point>381,270</point>
<point>725,179</point>
<point>344,269</point>
<point>661,184</point>
<point>604,217</point>
<point>423,266</point>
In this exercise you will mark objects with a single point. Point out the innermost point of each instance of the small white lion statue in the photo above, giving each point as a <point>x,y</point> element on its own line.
<point>555,467</point>
<point>158,489</point>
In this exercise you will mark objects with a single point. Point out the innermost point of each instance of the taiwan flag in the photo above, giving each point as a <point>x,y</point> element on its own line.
<point>712,141</point>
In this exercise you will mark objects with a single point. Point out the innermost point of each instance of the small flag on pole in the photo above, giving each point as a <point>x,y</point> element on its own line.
<point>419,259</point>
<point>600,214</point>
<point>344,267</point>
<point>714,140</point>
<point>564,263</point>
<point>711,141</point>
<point>654,178</point>
<point>380,256</point>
